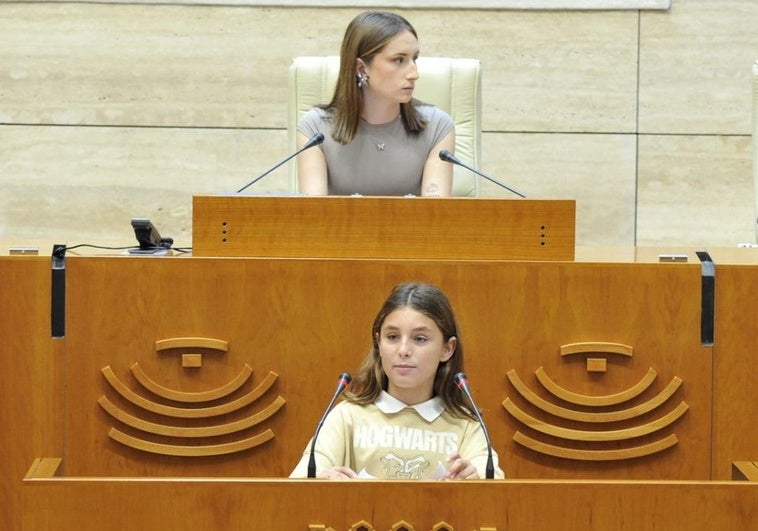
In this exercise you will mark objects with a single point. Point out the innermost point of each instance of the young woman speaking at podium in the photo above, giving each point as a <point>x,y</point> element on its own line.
<point>378,140</point>
<point>404,416</point>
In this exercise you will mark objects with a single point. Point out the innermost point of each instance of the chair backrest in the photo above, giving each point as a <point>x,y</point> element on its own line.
<point>453,85</point>
<point>755,144</point>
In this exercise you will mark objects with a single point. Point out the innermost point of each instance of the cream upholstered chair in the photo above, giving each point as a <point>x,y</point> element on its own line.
<point>453,85</point>
<point>755,144</point>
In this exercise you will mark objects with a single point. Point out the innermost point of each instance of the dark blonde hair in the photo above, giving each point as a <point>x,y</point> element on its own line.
<point>365,36</point>
<point>371,380</point>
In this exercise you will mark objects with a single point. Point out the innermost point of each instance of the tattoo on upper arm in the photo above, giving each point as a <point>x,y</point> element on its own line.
<point>432,189</point>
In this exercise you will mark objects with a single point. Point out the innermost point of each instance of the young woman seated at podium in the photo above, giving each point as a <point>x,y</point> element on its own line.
<point>404,416</point>
<point>378,140</point>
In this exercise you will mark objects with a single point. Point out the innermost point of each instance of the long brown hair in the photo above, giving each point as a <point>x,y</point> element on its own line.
<point>365,36</point>
<point>371,380</point>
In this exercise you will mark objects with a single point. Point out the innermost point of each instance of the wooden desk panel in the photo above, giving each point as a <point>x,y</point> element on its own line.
<point>308,320</point>
<point>313,315</point>
<point>31,372</point>
<point>84,504</point>
<point>735,436</point>
<point>383,227</point>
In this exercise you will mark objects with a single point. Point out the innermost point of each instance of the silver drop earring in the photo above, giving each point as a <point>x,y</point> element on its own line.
<point>362,79</point>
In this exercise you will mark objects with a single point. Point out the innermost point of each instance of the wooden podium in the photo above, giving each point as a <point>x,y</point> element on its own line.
<point>383,227</point>
<point>287,311</point>
<point>83,504</point>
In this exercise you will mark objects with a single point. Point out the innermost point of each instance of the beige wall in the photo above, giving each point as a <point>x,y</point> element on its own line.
<point>114,111</point>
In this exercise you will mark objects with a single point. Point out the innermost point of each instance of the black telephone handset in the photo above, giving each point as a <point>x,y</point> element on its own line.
<point>148,237</point>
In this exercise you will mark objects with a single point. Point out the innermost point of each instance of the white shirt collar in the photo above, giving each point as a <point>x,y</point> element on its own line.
<point>429,410</point>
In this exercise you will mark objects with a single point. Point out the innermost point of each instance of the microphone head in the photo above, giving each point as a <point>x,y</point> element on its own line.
<point>448,157</point>
<point>461,380</point>
<point>345,379</point>
<point>316,139</point>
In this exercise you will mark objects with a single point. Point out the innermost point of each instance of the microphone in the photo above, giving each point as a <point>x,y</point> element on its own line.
<point>462,382</point>
<point>449,157</point>
<point>342,383</point>
<point>315,140</point>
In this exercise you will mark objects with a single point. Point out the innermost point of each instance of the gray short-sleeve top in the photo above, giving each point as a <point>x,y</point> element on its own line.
<point>382,159</point>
